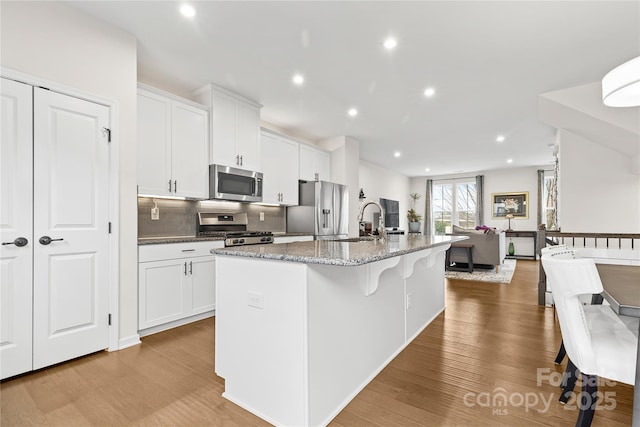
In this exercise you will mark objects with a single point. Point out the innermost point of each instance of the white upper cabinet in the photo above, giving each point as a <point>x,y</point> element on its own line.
<point>172,145</point>
<point>280,169</point>
<point>189,148</point>
<point>154,143</point>
<point>315,164</point>
<point>235,128</point>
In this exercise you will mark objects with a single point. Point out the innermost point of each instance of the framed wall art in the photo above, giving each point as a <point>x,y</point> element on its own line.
<point>516,204</point>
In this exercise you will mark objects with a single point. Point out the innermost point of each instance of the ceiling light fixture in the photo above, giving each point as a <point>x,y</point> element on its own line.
<point>427,169</point>
<point>621,86</point>
<point>500,138</point>
<point>390,43</point>
<point>429,92</point>
<point>187,11</point>
<point>352,112</point>
<point>397,154</point>
<point>298,79</point>
<point>509,160</point>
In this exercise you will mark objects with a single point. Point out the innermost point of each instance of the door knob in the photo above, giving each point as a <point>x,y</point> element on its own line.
<point>45,240</point>
<point>20,241</point>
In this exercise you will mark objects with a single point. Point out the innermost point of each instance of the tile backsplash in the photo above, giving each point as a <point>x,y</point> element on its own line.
<point>179,217</point>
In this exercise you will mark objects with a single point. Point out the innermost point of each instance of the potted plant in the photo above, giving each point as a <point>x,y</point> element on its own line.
<point>412,215</point>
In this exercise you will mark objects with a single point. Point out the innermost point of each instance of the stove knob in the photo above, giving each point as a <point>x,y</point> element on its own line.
<point>236,241</point>
<point>264,239</point>
<point>241,241</point>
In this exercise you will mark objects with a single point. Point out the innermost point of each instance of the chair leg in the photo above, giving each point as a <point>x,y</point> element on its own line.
<point>561,353</point>
<point>447,260</point>
<point>596,299</point>
<point>588,400</point>
<point>568,382</point>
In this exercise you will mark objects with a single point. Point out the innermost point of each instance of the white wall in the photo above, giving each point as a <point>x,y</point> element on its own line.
<point>512,180</point>
<point>598,189</point>
<point>378,182</point>
<point>61,44</point>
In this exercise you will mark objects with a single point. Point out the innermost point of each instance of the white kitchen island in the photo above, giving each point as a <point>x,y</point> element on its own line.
<point>302,327</point>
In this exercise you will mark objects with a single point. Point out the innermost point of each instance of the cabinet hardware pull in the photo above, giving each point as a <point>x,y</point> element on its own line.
<point>185,268</point>
<point>237,159</point>
<point>169,186</point>
<point>188,250</point>
<point>45,240</point>
<point>240,160</point>
<point>191,268</point>
<point>175,186</point>
<point>19,241</point>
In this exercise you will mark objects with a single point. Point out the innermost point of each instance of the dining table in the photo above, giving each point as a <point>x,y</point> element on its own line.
<point>621,284</point>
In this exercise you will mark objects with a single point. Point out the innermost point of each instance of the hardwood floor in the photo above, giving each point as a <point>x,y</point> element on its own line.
<point>490,343</point>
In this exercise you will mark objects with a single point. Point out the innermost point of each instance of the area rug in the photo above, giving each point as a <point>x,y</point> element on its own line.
<point>504,274</point>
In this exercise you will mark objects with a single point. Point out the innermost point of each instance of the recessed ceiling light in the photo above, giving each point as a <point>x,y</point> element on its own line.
<point>187,11</point>
<point>352,112</point>
<point>397,154</point>
<point>298,79</point>
<point>429,92</point>
<point>427,169</point>
<point>390,43</point>
<point>509,160</point>
<point>500,138</point>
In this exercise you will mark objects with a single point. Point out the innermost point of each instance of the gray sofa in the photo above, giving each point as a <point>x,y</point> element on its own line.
<point>488,249</point>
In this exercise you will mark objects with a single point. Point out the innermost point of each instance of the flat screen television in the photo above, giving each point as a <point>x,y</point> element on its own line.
<point>391,212</point>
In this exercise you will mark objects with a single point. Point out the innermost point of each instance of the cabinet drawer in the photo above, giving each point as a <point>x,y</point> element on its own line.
<point>159,252</point>
<point>292,239</point>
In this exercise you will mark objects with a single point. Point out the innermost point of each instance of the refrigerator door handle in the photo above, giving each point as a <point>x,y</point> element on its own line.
<point>325,217</point>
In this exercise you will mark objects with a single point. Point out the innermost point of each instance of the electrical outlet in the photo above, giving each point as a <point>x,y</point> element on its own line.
<point>261,216</point>
<point>155,214</point>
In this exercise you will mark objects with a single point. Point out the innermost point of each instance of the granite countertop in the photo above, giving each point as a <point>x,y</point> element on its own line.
<point>189,239</point>
<point>345,253</point>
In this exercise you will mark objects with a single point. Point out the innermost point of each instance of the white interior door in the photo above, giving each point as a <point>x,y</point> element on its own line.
<point>16,153</point>
<point>71,163</point>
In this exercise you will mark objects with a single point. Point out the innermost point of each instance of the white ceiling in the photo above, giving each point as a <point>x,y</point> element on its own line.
<point>488,62</point>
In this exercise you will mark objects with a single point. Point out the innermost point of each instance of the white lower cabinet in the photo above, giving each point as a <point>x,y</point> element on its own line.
<point>176,283</point>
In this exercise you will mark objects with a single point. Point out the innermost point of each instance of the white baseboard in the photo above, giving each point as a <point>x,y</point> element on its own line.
<point>176,323</point>
<point>129,341</point>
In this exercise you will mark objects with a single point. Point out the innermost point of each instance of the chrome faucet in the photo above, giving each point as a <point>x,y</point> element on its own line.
<point>382,234</point>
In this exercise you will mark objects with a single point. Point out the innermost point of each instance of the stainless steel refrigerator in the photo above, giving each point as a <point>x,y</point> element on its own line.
<point>323,210</point>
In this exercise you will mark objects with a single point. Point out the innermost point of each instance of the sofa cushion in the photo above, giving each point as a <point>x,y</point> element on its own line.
<point>459,230</point>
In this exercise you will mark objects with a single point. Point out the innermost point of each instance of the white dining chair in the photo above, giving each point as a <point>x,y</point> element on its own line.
<point>600,346</point>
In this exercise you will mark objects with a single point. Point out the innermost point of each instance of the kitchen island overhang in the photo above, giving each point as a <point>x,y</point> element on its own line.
<point>301,328</point>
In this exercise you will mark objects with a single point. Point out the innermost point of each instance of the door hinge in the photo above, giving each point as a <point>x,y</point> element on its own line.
<point>109,227</point>
<point>109,319</point>
<point>107,131</point>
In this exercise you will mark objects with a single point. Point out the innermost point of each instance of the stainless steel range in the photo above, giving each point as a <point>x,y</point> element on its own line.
<point>233,227</point>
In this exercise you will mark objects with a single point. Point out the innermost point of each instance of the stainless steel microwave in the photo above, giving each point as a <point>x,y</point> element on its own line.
<point>227,183</point>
